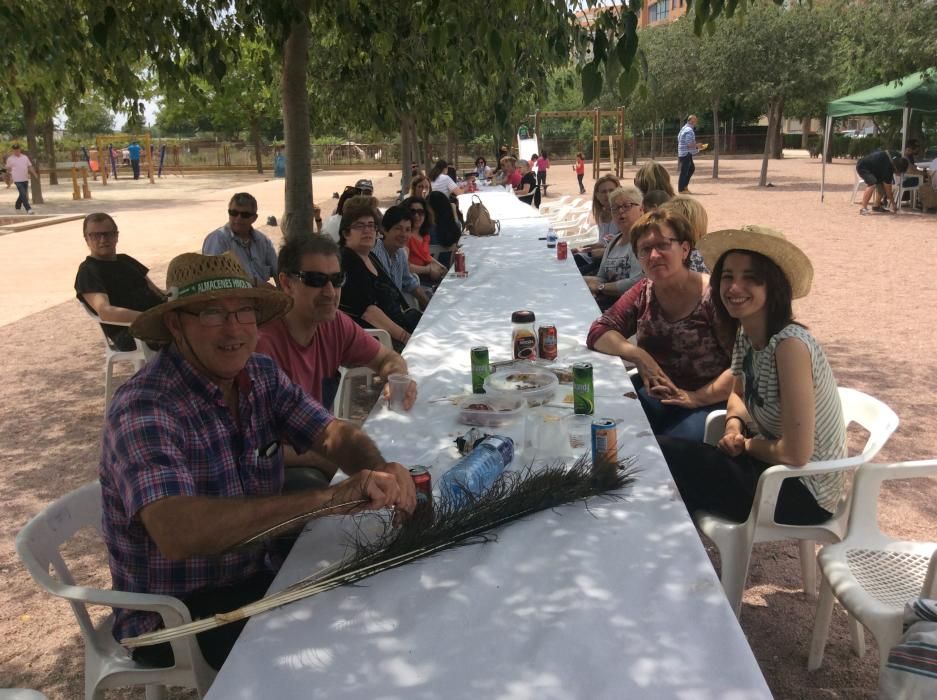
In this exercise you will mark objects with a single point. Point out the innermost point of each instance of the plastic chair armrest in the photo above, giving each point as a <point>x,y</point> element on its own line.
<point>769,484</point>
<point>172,610</point>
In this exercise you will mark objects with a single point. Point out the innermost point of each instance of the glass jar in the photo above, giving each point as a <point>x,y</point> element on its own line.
<point>523,335</point>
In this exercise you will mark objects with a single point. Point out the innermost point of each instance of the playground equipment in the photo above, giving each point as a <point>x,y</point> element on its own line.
<point>109,141</point>
<point>616,158</point>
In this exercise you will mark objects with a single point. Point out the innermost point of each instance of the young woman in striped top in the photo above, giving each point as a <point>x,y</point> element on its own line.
<point>784,407</point>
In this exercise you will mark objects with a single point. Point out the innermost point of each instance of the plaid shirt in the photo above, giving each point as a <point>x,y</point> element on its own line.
<point>684,139</point>
<point>169,433</point>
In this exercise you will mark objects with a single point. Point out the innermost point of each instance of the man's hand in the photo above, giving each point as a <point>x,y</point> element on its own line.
<point>408,399</point>
<point>407,491</point>
<point>379,489</point>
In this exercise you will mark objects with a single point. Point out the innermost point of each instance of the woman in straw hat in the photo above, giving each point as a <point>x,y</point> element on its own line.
<point>784,407</point>
<point>683,348</point>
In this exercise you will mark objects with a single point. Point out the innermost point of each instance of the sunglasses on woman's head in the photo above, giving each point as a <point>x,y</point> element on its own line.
<point>317,280</point>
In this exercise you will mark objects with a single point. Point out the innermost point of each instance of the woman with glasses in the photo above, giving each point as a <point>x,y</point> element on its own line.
<point>422,263</point>
<point>683,347</point>
<point>370,295</point>
<point>482,171</point>
<point>619,269</point>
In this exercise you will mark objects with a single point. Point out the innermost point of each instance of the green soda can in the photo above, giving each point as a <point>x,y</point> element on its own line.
<point>583,390</point>
<point>481,368</point>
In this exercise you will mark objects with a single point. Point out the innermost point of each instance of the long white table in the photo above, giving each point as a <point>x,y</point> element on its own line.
<point>615,601</point>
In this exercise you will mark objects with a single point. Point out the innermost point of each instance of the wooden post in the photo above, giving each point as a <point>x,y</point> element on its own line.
<point>621,132</point>
<point>596,145</point>
<point>76,194</point>
<point>85,190</point>
<point>537,130</point>
<point>103,160</point>
<point>149,158</point>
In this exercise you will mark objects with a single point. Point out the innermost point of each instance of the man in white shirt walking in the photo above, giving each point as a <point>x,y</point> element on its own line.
<point>20,168</point>
<point>686,149</point>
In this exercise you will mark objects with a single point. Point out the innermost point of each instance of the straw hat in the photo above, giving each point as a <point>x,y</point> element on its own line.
<point>193,278</point>
<point>772,244</point>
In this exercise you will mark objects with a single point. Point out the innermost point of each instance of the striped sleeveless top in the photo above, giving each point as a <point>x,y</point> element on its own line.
<point>759,372</point>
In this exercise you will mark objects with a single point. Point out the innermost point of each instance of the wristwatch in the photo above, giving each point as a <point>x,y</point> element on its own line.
<point>601,287</point>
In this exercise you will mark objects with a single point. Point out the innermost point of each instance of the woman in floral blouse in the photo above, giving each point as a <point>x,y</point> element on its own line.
<point>683,348</point>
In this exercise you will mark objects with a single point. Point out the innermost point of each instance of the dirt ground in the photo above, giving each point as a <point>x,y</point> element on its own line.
<point>871,306</point>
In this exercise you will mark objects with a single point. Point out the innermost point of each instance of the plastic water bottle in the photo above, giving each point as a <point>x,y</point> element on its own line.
<point>477,470</point>
<point>551,238</point>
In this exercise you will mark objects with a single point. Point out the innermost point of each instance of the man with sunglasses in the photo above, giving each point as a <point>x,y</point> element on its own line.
<point>114,286</point>
<point>253,249</point>
<point>314,338</point>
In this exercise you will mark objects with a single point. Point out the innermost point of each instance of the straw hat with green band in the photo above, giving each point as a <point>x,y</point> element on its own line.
<point>193,278</point>
<point>793,262</point>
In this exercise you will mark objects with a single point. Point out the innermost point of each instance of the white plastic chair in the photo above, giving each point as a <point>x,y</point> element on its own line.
<point>734,540</point>
<point>107,664</point>
<point>572,226</point>
<point>871,574</point>
<point>342,406</point>
<point>548,206</point>
<point>112,355</point>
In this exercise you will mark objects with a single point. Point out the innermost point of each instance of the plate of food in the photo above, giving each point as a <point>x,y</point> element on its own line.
<point>490,411</point>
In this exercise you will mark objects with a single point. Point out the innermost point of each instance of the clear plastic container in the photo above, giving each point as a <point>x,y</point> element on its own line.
<point>505,414</point>
<point>534,385</point>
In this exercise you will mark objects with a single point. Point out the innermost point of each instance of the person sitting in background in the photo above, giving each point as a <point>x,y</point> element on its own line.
<point>114,286</point>
<point>365,187</point>
<point>421,262</point>
<point>653,199</point>
<point>446,230</point>
<point>470,184</point>
<point>653,176</point>
<point>442,181</point>
<point>253,249</point>
<point>683,347</point>
<point>481,169</point>
<point>588,257</point>
<point>784,407</point>
<point>527,191</point>
<point>420,186</point>
<point>334,222</point>
<point>878,171</point>
<point>314,338</point>
<point>391,252</point>
<point>370,296</point>
<point>695,213</point>
<point>510,175</point>
<point>619,269</point>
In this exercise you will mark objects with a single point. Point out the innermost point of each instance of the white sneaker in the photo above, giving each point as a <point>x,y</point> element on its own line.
<point>31,212</point>
<point>865,210</point>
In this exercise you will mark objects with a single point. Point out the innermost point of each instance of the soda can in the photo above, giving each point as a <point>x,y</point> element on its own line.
<point>562,250</point>
<point>481,368</point>
<point>459,258</point>
<point>423,483</point>
<point>583,390</point>
<point>604,442</point>
<point>547,342</point>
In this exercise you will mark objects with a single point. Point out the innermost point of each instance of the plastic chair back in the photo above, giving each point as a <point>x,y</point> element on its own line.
<point>138,356</point>
<point>342,407</point>
<point>107,664</point>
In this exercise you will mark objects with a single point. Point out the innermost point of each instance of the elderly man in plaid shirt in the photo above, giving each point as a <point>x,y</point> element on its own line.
<point>191,463</point>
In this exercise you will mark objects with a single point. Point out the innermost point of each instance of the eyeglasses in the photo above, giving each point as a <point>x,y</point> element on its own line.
<point>363,226</point>
<point>624,207</point>
<point>417,212</point>
<point>317,280</point>
<point>644,252</point>
<point>212,318</point>
<point>243,214</point>
<point>100,235</point>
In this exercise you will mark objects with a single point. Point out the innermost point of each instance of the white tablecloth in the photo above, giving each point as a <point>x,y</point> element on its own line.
<point>615,601</point>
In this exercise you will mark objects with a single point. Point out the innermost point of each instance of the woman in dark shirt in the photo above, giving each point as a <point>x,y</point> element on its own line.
<point>370,296</point>
<point>527,190</point>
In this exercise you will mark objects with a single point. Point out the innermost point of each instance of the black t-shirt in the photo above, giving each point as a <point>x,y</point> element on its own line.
<point>363,289</point>
<point>124,281</point>
<point>879,164</point>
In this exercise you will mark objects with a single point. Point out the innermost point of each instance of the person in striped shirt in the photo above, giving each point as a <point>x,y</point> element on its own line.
<point>686,149</point>
<point>784,407</point>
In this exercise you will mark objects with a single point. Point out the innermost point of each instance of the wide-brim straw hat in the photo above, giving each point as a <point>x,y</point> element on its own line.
<point>793,262</point>
<point>193,278</point>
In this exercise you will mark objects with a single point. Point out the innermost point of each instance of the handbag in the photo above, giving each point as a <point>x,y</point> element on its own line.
<point>478,220</point>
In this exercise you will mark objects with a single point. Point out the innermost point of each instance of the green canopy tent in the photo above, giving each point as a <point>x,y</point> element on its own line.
<point>916,91</point>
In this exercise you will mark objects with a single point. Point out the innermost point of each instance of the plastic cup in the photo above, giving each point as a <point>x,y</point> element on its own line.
<point>399,383</point>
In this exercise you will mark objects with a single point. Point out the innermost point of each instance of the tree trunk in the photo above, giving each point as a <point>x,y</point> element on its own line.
<point>48,137</point>
<point>258,145</point>
<point>716,139</point>
<point>298,187</point>
<point>427,151</point>
<point>29,120</point>
<point>769,143</point>
<point>653,140</point>
<point>406,151</point>
<point>805,132</point>
<point>414,154</point>
<point>452,156</point>
<point>778,152</point>
<point>634,144</point>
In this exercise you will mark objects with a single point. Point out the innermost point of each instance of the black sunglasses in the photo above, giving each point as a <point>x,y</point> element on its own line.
<point>317,280</point>
<point>242,214</point>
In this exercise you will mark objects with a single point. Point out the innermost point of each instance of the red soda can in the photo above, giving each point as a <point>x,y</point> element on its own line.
<point>459,258</point>
<point>423,483</point>
<point>562,250</point>
<point>547,342</point>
